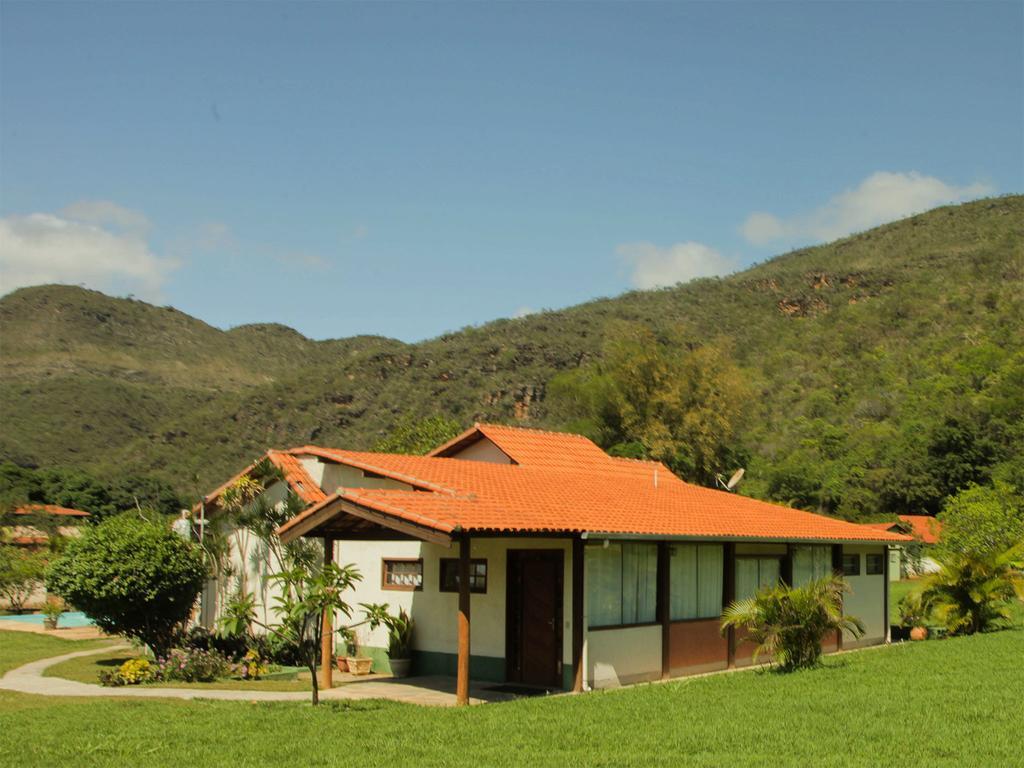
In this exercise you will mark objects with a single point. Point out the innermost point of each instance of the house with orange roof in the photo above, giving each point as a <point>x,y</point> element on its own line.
<point>33,526</point>
<point>534,558</point>
<point>912,561</point>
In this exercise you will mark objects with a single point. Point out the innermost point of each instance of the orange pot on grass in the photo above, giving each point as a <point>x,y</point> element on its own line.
<point>919,633</point>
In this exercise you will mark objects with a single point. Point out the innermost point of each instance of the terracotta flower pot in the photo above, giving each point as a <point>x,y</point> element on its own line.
<point>919,633</point>
<point>358,665</point>
<point>49,623</point>
<point>341,663</point>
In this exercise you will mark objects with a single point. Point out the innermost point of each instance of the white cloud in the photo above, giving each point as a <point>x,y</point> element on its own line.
<point>523,312</point>
<point>880,198</point>
<point>655,265</point>
<point>95,243</point>
<point>110,215</point>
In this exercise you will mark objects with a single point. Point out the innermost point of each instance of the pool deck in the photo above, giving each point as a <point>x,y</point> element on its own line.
<point>426,691</point>
<point>65,633</point>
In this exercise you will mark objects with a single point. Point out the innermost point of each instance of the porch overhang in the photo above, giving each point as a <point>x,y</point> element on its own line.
<point>337,517</point>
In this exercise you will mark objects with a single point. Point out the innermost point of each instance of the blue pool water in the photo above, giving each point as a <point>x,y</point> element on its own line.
<point>69,619</point>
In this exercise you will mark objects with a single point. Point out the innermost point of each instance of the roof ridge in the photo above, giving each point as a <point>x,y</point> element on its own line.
<point>536,430</point>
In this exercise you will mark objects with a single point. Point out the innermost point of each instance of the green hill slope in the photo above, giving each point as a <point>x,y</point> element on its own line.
<point>860,351</point>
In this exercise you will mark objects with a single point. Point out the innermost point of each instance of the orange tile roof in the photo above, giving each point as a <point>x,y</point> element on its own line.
<point>49,509</point>
<point>592,492</point>
<point>924,527</point>
<point>295,475</point>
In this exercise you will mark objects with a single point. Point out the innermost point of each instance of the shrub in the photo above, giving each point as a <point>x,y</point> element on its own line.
<point>132,577</point>
<point>251,667</point>
<point>192,666</point>
<point>972,592</point>
<point>21,573</point>
<point>789,623</point>
<point>132,672</point>
<point>980,520</point>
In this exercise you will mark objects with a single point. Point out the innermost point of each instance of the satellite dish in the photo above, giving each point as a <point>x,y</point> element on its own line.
<point>733,481</point>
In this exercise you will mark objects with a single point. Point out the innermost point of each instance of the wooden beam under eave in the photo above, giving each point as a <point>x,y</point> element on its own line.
<point>462,675</point>
<point>837,569</point>
<point>578,555</point>
<point>327,631</point>
<point>728,597</point>
<point>663,607</point>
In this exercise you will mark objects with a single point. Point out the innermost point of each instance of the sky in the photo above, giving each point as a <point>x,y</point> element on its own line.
<point>409,169</point>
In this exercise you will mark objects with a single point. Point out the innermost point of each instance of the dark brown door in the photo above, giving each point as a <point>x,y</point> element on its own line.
<point>535,617</point>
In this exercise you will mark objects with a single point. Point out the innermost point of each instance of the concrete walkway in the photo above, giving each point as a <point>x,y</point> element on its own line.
<point>429,691</point>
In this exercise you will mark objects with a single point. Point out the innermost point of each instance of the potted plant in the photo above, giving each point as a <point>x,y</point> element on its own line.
<point>348,643</point>
<point>400,643</point>
<point>52,610</point>
<point>357,665</point>
<point>914,611</point>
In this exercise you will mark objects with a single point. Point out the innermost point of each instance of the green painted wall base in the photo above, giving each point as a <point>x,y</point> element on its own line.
<point>488,668</point>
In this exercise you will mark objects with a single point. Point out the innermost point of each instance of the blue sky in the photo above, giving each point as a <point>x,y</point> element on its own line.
<point>407,169</point>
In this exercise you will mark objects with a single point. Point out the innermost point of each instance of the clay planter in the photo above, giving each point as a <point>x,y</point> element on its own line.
<point>50,623</point>
<point>358,665</point>
<point>400,667</point>
<point>919,633</point>
<point>341,663</point>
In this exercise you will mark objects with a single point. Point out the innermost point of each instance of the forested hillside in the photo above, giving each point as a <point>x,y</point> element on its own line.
<point>881,372</point>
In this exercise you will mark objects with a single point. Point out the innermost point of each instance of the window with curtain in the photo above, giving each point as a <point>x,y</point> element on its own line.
<point>754,573</point>
<point>810,563</point>
<point>622,583</point>
<point>695,581</point>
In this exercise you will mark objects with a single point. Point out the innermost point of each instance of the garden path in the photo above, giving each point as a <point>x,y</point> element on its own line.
<point>430,691</point>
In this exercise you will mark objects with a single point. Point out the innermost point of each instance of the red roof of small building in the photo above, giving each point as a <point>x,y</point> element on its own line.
<point>49,509</point>
<point>565,483</point>
<point>924,527</point>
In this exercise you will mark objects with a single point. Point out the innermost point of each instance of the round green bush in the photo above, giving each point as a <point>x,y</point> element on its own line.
<point>131,577</point>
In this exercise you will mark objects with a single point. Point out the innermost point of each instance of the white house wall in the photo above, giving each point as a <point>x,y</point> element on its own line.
<point>436,612</point>
<point>621,656</point>
<point>483,450</point>
<point>866,600</point>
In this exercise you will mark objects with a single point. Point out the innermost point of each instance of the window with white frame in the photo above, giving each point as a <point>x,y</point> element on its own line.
<point>695,581</point>
<point>622,583</point>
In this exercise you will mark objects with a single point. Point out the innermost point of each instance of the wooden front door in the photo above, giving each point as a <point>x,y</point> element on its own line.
<point>534,599</point>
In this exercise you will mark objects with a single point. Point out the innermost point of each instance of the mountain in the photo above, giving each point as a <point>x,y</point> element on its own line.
<point>850,347</point>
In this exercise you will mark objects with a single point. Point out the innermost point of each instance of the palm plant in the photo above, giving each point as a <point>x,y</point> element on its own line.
<point>788,623</point>
<point>972,591</point>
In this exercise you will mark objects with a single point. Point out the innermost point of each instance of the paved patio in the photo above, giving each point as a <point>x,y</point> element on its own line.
<point>426,691</point>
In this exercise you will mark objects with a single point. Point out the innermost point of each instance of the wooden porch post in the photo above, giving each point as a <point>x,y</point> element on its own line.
<point>885,595</point>
<point>578,554</point>
<point>327,630</point>
<point>663,607</point>
<point>728,596</point>
<point>837,569</point>
<point>462,679</point>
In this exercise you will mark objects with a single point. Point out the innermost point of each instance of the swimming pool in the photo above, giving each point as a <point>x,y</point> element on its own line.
<point>69,619</point>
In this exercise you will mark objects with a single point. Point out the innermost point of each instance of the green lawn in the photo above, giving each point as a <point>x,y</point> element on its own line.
<point>949,702</point>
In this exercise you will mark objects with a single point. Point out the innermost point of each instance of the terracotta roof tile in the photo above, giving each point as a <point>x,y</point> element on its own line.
<point>592,492</point>
<point>49,509</point>
<point>924,527</point>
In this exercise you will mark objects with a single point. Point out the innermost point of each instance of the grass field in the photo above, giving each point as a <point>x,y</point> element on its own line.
<point>949,702</point>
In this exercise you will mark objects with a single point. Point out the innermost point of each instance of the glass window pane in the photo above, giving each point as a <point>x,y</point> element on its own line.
<point>604,585</point>
<point>682,581</point>
<point>710,559</point>
<point>768,572</point>
<point>746,577</point>
<point>639,582</point>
